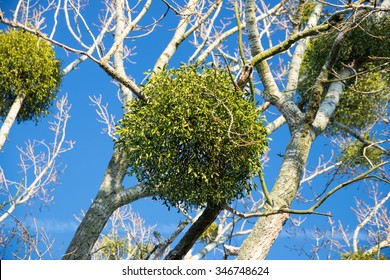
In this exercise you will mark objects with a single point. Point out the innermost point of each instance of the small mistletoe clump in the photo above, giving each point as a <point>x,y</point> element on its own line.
<point>361,255</point>
<point>356,154</point>
<point>197,140</point>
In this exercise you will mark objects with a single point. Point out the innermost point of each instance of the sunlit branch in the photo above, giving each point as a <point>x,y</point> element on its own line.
<point>297,58</point>
<point>69,25</point>
<point>241,51</point>
<point>329,102</point>
<point>130,26</point>
<point>215,5</point>
<point>71,66</point>
<point>182,33</point>
<point>274,125</point>
<point>320,171</point>
<point>271,91</point>
<point>233,30</point>
<point>55,19</point>
<point>206,36</point>
<point>366,220</point>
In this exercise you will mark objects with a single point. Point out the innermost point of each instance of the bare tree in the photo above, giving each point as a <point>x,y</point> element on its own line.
<point>40,169</point>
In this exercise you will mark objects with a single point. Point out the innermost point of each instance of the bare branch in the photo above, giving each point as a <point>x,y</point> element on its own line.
<point>220,38</point>
<point>373,211</point>
<point>159,249</point>
<point>42,164</point>
<point>351,181</point>
<point>104,116</point>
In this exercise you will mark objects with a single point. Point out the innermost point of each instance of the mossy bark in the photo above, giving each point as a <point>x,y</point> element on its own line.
<point>267,228</point>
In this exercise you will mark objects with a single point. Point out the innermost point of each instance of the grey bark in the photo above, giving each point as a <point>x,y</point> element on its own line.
<point>303,133</point>
<point>110,197</point>
<point>99,212</point>
<point>267,229</point>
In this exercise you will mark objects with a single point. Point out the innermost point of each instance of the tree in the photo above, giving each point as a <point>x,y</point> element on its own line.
<point>311,68</point>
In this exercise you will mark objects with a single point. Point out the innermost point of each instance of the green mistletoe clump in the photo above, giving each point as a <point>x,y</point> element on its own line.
<point>196,140</point>
<point>28,65</point>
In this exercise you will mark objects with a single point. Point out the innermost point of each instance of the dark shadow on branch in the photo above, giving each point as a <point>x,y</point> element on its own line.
<point>194,232</point>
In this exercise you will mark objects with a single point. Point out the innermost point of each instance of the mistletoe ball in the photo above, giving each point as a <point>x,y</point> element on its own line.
<point>197,139</point>
<point>28,65</point>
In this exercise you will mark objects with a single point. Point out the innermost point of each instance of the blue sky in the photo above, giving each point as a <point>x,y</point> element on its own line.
<point>86,163</point>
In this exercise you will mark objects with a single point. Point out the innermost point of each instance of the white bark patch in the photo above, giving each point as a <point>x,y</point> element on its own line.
<point>10,119</point>
<point>329,104</point>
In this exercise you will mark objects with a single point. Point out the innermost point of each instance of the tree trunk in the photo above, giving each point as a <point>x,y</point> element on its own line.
<point>267,228</point>
<point>90,228</point>
<point>100,211</point>
<point>111,194</point>
<point>10,119</point>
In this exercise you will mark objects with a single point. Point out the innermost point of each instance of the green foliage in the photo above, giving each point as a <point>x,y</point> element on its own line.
<point>307,10</point>
<point>210,233</point>
<point>27,64</point>
<point>140,252</point>
<point>113,247</point>
<point>361,255</point>
<point>363,102</point>
<point>197,139</point>
<point>356,153</point>
<point>368,48</point>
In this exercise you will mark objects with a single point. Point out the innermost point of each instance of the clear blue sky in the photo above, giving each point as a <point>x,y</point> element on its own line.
<point>86,163</point>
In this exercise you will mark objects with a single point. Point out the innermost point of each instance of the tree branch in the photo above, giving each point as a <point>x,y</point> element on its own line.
<point>181,33</point>
<point>194,232</point>
<point>297,58</point>
<point>317,90</point>
<point>347,183</point>
<point>163,245</point>
<point>271,91</point>
<point>126,81</point>
<point>366,220</point>
<point>329,103</point>
<point>233,30</point>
